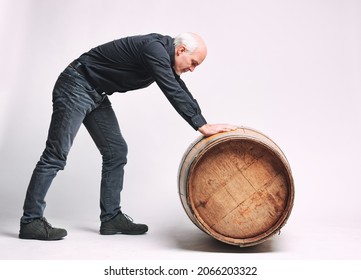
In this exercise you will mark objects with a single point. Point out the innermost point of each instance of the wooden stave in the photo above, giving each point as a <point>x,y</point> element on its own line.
<point>200,146</point>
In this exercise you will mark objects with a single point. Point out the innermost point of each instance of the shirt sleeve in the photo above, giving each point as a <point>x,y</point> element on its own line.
<point>157,62</point>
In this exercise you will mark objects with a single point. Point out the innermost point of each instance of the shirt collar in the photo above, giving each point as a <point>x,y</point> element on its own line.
<point>172,57</point>
<point>172,53</point>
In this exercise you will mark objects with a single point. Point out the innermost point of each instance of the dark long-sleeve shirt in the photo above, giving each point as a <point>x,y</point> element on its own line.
<point>136,62</point>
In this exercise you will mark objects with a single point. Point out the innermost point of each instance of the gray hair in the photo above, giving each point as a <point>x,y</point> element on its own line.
<point>189,40</point>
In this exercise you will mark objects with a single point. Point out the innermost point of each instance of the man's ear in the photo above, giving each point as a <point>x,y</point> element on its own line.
<point>181,49</point>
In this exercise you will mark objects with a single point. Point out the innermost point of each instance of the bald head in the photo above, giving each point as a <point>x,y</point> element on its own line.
<point>191,41</point>
<point>190,51</point>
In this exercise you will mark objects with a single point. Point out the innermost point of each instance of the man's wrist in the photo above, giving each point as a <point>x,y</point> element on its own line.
<point>198,121</point>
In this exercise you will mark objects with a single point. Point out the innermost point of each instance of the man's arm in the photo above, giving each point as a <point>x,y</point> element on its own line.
<point>157,62</point>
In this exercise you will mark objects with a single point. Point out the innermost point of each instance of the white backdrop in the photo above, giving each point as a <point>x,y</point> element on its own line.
<point>291,69</point>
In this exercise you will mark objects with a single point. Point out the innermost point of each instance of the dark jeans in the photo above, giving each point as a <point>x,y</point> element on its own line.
<point>75,102</point>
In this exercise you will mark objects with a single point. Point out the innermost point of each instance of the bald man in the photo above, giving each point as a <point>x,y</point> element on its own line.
<point>80,96</point>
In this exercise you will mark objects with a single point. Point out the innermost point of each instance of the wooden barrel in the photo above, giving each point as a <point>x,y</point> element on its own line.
<point>236,186</point>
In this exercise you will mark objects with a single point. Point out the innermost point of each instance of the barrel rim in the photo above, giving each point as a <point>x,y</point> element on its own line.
<point>214,141</point>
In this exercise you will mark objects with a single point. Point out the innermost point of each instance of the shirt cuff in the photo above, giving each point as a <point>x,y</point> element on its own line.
<point>198,121</point>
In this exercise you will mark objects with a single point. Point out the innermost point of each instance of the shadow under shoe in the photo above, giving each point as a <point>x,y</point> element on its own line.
<point>40,229</point>
<point>122,223</point>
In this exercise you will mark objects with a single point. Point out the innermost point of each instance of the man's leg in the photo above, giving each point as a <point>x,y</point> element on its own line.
<point>72,100</point>
<point>103,126</point>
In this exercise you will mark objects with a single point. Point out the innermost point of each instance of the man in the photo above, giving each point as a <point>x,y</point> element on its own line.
<point>80,95</point>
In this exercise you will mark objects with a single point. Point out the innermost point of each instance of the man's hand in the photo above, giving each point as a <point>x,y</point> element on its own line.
<point>210,129</point>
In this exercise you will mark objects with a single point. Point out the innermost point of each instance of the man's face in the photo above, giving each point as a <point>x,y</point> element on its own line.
<point>184,61</point>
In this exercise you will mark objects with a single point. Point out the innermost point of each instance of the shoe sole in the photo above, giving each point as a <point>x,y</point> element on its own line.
<point>112,232</point>
<point>32,237</point>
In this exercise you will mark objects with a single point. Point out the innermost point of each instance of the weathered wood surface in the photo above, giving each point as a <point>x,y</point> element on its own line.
<point>236,186</point>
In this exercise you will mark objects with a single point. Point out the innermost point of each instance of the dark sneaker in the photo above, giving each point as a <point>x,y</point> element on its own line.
<point>121,223</point>
<point>40,229</point>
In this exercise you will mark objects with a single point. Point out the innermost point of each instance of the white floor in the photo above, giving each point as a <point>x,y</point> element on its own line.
<point>178,239</point>
<point>173,241</point>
